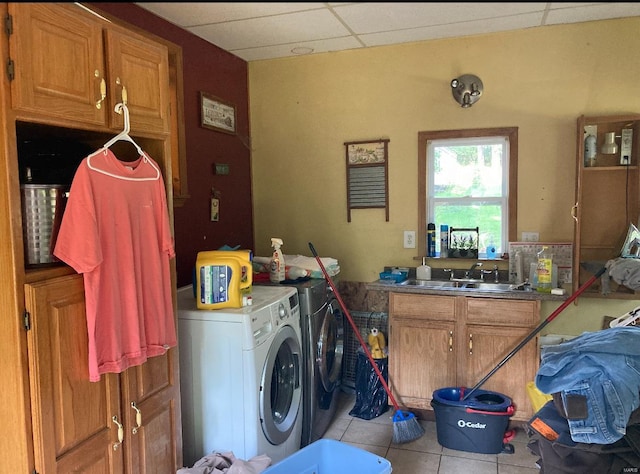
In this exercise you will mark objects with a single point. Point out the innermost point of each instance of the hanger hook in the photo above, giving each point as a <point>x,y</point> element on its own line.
<point>121,108</point>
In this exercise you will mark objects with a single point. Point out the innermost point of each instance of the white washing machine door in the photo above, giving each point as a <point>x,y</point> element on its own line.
<point>281,386</point>
<point>330,346</point>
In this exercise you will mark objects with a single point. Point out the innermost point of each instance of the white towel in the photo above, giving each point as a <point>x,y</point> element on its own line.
<point>309,263</point>
<point>306,263</point>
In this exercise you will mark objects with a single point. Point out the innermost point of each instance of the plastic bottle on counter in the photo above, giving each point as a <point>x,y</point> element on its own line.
<point>431,239</point>
<point>423,272</point>
<point>277,268</point>
<point>444,241</point>
<point>545,269</point>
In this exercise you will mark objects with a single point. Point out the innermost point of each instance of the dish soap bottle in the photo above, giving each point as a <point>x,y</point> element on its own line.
<point>277,269</point>
<point>545,269</point>
<point>423,272</point>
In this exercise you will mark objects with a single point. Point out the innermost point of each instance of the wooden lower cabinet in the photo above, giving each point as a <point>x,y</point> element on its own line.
<point>76,423</point>
<point>454,341</point>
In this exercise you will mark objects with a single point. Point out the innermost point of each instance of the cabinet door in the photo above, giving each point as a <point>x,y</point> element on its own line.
<point>154,445</point>
<point>421,346</point>
<point>484,347</point>
<point>72,418</point>
<point>421,359</point>
<point>58,62</point>
<point>607,200</point>
<point>142,67</point>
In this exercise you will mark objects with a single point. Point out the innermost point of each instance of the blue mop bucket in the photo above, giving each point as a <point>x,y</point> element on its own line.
<point>477,424</point>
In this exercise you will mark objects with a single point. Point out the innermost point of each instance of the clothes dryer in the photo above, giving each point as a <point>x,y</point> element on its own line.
<point>322,325</point>
<point>323,345</point>
<point>241,376</point>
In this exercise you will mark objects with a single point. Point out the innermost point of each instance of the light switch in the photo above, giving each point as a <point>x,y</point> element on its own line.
<point>220,168</point>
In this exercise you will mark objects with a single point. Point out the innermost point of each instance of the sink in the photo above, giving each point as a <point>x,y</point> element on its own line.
<point>489,286</point>
<point>435,284</point>
<point>460,284</point>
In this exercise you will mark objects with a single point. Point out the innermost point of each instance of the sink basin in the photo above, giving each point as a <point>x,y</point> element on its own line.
<point>466,285</point>
<point>488,286</point>
<point>436,284</point>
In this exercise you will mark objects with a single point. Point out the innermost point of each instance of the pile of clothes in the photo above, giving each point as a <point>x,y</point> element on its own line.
<point>227,463</point>
<point>299,266</point>
<point>593,422</point>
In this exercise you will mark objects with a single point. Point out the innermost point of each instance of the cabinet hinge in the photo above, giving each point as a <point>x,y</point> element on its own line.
<point>8,25</point>
<point>26,319</point>
<point>10,69</point>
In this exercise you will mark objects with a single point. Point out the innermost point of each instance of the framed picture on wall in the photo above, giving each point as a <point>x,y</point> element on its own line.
<point>217,114</point>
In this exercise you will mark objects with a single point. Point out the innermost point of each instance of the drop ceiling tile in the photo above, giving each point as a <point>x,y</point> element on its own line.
<point>591,12</point>
<point>321,46</point>
<point>451,31</point>
<point>194,14</point>
<point>373,18</point>
<point>274,30</point>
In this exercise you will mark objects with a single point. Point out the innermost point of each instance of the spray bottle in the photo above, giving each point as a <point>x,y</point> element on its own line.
<point>277,270</point>
<point>545,269</point>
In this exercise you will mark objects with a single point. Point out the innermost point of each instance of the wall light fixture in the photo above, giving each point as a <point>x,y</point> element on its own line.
<point>466,89</point>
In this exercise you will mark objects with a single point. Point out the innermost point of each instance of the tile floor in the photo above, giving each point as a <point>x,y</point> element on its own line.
<point>424,455</point>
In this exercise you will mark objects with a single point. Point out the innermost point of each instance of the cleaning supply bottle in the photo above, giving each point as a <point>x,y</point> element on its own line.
<point>277,269</point>
<point>431,239</point>
<point>423,272</point>
<point>444,241</point>
<point>545,269</point>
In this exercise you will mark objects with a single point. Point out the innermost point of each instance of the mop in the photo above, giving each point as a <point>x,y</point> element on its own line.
<point>406,427</point>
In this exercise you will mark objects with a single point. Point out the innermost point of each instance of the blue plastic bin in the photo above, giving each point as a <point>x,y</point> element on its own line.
<point>328,456</point>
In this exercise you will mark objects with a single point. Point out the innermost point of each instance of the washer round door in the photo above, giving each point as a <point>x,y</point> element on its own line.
<point>330,346</point>
<point>281,386</point>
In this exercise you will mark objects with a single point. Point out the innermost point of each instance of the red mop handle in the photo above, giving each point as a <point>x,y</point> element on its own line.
<point>355,328</point>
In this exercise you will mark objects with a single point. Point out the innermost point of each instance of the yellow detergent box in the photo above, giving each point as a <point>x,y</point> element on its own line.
<point>222,279</point>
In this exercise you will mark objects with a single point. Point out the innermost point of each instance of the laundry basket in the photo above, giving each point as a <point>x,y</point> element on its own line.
<point>328,456</point>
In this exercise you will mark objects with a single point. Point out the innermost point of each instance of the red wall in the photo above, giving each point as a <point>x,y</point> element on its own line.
<point>215,71</point>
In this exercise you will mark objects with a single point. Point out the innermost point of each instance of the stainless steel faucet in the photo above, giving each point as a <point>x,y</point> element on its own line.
<point>469,272</point>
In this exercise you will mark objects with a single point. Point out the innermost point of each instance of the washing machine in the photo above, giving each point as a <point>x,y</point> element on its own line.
<point>241,376</point>
<point>323,325</point>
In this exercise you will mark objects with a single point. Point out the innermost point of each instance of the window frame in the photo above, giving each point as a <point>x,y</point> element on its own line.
<point>425,136</point>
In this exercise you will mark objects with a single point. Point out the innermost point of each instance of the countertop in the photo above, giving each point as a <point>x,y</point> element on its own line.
<point>381,285</point>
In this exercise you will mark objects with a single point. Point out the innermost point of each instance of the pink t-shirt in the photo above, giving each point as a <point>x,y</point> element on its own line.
<point>115,231</point>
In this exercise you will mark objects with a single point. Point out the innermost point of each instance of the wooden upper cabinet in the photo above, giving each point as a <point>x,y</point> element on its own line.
<point>142,68</point>
<point>58,62</point>
<point>70,65</point>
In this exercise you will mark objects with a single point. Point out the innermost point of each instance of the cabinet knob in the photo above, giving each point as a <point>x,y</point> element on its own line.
<point>574,209</point>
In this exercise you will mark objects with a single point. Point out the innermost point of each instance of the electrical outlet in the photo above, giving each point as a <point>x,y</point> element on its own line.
<point>530,236</point>
<point>409,239</point>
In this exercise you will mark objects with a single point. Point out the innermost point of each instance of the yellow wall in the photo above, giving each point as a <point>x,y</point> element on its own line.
<point>303,109</point>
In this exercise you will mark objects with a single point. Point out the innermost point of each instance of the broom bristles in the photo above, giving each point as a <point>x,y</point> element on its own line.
<point>406,427</point>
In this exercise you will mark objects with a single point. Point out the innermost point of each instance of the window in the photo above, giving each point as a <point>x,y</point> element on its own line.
<point>468,179</point>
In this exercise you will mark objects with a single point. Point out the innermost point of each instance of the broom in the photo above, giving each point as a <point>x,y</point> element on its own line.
<point>406,427</point>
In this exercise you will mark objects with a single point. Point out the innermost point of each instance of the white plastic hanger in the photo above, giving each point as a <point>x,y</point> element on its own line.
<point>628,319</point>
<point>121,108</point>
